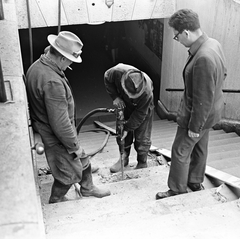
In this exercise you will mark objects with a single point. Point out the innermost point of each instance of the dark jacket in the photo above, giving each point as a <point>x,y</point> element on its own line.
<point>202,102</point>
<point>51,104</point>
<point>137,109</point>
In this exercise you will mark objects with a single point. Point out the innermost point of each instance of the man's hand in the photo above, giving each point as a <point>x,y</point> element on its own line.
<point>124,135</point>
<point>119,103</point>
<point>192,134</point>
<point>80,153</point>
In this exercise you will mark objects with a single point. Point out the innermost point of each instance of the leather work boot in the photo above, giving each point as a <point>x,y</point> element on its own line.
<point>88,188</point>
<point>141,165</point>
<point>169,193</point>
<point>58,192</point>
<point>142,161</point>
<point>117,166</point>
<point>195,186</point>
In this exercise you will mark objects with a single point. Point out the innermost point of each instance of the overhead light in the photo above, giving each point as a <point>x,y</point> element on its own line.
<point>95,23</point>
<point>109,3</point>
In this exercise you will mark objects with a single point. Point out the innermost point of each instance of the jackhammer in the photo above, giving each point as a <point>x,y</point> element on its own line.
<point>120,121</point>
<point>119,113</point>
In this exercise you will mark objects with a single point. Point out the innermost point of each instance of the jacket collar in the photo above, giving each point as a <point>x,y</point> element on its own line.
<point>47,61</point>
<point>196,45</point>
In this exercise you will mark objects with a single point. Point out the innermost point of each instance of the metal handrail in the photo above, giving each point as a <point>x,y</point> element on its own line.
<point>59,15</point>
<point>30,33</point>
<point>224,90</point>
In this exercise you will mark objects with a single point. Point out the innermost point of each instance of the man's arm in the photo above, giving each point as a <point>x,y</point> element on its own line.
<point>59,120</point>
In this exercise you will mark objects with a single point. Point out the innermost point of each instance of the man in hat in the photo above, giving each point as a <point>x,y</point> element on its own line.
<point>201,106</point>
<point>132,90</point>
<point>52,110</point>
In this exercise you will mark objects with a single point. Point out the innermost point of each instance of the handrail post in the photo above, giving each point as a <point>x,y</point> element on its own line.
<point>1,11</point>
<point>3,95</point>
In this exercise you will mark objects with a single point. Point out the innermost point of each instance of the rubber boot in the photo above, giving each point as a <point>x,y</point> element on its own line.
<point>58,192</point>
<point>117,166</point>
<point>142,161</point>
<point>88,188</point>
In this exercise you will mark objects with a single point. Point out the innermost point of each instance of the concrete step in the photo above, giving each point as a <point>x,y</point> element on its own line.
<point>224,148</point>
<point>215,221</point>
<point>131,201</point>
<point>225,163</point>
<point>103,177</point>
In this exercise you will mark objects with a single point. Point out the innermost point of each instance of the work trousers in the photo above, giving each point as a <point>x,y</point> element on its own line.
<point>188,161</point>
<point>141,136</point>
<point>65,168</point>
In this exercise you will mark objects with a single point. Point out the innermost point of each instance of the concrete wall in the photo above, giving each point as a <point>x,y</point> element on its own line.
<point>220,19</point>
<point>20,213</point>
<point>136,33</point>
<point>45,13</point>
<point>136,37</point>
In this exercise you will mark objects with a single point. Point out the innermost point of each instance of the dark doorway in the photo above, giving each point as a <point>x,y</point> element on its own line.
<point>86,78</point>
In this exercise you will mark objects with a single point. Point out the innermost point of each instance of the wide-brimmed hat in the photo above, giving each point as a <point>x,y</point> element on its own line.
<point>68,44</point>
<point>133,83</point>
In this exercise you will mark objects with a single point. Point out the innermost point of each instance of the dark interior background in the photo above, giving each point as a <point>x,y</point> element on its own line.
<point>86,78</point>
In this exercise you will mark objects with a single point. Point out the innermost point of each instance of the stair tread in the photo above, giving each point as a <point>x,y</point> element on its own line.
<point>132,205</point>
<point>212,221</point>
<point>141,180</point>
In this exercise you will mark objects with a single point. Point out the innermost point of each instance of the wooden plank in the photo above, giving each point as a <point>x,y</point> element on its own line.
<point>212,172</point>
<point>224,177</point>
<point>101,125</point>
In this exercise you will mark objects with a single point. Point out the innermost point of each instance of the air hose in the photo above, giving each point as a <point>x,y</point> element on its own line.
<point>79,126</point>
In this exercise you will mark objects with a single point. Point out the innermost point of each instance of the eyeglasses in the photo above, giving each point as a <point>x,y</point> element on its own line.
<point>176,36</point>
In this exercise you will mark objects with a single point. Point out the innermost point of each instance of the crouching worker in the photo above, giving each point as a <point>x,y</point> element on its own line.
<point>52,110</point>
<point>132,90</point>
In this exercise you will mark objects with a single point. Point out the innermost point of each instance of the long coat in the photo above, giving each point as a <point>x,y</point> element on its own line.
<point>52,111</point>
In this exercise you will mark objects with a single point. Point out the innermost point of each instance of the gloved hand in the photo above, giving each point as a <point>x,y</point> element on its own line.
<point>119,103</point>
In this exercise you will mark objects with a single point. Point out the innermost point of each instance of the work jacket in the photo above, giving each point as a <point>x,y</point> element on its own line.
<point>137,109</point>
<point>51,102</point>
<point>204,73</point>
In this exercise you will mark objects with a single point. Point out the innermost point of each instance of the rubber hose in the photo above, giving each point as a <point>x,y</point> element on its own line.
<point>97,110</point>
<point>91,154</point>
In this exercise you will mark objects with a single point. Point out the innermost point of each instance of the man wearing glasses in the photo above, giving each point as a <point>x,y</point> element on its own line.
<point>201,104</point>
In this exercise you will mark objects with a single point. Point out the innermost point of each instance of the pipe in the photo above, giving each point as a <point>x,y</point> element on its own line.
<point>30,33</point>
<point>78,128</point>
<point>59,16</point>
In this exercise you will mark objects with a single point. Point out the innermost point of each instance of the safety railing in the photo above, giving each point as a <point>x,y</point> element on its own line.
<point>224,90</point>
